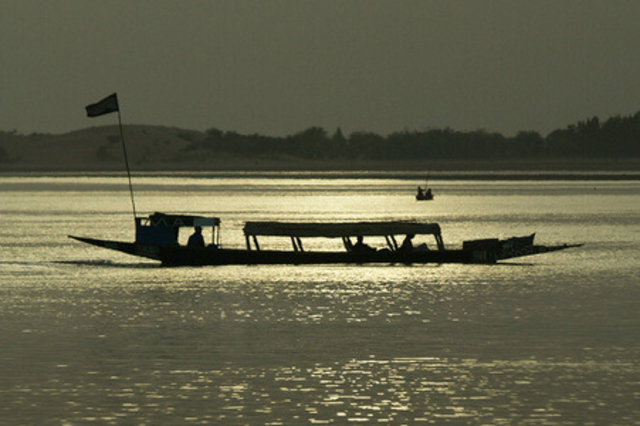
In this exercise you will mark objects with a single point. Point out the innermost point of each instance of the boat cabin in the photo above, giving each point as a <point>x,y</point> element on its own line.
<point>346,230</point>
<point>164,229</point>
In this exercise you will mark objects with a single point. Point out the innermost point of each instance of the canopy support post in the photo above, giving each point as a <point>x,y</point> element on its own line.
<point>389,243</point>
<point>347,243</point>
<point>395,243</point>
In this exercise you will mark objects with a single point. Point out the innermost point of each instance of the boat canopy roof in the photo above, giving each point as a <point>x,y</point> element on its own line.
<point>337,230</point>
<point>177,221</point>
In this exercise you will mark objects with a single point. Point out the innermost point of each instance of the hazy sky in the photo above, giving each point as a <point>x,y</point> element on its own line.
<point>279,67</point>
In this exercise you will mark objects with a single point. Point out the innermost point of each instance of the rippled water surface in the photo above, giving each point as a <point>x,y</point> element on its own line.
<point>89,335</point>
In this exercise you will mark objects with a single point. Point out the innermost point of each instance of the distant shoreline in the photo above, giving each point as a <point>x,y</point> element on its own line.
<point>627,169</point>
<point>168,149</point>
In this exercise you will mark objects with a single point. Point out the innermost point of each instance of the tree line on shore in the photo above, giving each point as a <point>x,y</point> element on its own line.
<point>617,137</point>
<point>614,138</point>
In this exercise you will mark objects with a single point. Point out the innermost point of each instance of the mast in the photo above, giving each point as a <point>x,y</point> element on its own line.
<point>126,162</point>
<point>107,106</point>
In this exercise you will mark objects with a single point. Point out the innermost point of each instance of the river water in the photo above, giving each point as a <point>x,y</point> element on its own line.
<point>93,336</point>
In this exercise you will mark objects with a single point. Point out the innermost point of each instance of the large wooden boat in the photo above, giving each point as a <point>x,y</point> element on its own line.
<point>157,239</point>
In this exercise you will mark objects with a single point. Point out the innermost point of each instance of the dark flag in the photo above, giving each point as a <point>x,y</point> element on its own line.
<point>105,106</point>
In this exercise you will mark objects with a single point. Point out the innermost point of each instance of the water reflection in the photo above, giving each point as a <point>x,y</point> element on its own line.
<point>339,345</point>
<point>426,390</point>
<point>90,336</point>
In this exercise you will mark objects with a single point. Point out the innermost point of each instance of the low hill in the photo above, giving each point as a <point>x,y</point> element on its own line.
<point>587,146</point>
<point>96,148</point>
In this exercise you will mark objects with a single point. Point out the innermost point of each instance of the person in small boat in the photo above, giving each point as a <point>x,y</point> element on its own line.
<point>360,246</point>
<point>420,193</point>
<point>196,239</point>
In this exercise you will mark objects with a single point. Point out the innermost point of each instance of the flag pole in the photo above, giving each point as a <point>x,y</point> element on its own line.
<point>126,162</point>
<point>107,106</point>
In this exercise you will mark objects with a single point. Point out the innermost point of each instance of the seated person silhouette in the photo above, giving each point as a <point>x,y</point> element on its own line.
<point>407,245</point>
<point>361,247</point>
<point>196,239</point>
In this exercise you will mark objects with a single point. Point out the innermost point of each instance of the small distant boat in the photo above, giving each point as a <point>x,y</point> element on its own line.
<point>424,194</point>
<point>157,239</point>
